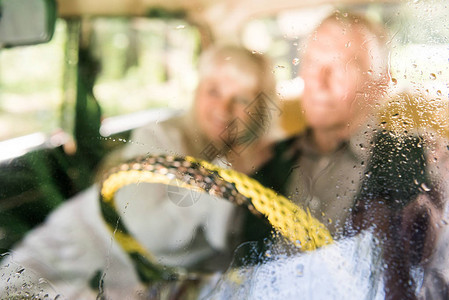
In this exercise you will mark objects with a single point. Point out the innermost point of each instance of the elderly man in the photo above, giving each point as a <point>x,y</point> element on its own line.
<point>346,169</point>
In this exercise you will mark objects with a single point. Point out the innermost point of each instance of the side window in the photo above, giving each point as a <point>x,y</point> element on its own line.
<point>31,87</point>
<point>418,43</point>
<point>418,55</point>
<point>144,63</point>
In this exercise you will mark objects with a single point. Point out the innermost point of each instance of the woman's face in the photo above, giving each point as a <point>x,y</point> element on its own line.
<point>221,98</point>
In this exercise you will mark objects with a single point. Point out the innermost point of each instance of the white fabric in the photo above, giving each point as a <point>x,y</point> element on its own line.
<point>162,226</point>
<point>344,270</point>
<point>66,251</point>
<point>167,229</point>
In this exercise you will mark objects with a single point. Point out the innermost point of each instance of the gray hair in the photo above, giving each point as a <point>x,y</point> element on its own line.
<point>375,37</point>
<point>250,63</point>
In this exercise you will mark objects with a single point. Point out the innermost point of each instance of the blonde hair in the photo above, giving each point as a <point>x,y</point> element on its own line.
<point>249,63</point>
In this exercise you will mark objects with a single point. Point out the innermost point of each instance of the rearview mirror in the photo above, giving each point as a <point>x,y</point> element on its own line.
<point>26,22</point>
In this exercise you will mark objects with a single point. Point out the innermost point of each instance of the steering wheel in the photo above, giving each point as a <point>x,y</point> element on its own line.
<point>290,220</point>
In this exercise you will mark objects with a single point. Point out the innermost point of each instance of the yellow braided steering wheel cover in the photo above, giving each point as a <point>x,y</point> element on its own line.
<point>297,225</point>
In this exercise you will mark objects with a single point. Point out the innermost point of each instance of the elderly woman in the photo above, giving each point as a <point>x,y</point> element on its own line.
<point>74,254</point>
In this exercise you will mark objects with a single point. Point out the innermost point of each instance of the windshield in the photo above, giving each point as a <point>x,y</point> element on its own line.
<point>229,151</point>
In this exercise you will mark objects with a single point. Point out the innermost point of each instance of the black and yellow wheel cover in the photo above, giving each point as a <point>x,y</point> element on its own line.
<point>291,221</point>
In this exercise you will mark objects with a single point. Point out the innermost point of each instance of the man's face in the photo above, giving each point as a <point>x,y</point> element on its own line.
<point>222,98</point>
<point>334,73</point>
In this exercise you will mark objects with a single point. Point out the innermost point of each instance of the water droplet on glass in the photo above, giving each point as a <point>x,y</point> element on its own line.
<point>414,66</point>
<point>180,27</point>
<point>433,76</point>
<point>348,44</point>
<point>300,270</point>
<point>394,80</point>
<point>439,94</point>
<point>425,187</point>
<point>295,61</point>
